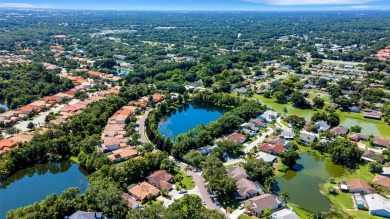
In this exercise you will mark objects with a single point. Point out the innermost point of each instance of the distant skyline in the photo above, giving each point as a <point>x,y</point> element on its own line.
<point>201,5</point>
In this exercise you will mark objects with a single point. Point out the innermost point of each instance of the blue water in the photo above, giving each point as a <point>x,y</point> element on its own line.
<point>2,105</point>
<point>33,184</point>
<point>187,117</point>
<point>122,72</point>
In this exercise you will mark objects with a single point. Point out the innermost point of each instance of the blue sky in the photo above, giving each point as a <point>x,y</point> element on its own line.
<point>241,5</point>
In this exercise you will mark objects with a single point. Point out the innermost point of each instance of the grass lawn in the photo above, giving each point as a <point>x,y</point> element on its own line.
<point>74,159</point>
<point>302,213</point>
<point>187,183</point>
<point>244,216</point>
<point>343,201</point>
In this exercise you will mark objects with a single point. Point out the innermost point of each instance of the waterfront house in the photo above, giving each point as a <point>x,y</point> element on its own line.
<point>245,189</point>
<point>371,156</point>
<point>161,179</point>
<point>237,173</point>
<point>381,142</point>
<point>359,186</point>
<point>268,116</point>
<point>236,138</point>
<point>284,214</point>
<point>266,157</point>
<point>259,203</point>
<point>378,205</point>
<point>373,114</point>
<point>122,154</point>
<point>339,130</point>
<point>130,201</point>
<point>307,138</point>
<point>382,181</point>
<point>111,143</point>
<point>86,215</point>
<point>357,137</point>
<point>322,125</point>
<point>141,191</point>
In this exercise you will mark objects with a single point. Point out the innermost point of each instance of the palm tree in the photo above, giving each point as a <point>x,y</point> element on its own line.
<point>285,196</point>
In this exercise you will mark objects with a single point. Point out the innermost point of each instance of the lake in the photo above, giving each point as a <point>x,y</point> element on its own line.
<point>187,117</point>
<point>303,183</point>
<point>369,126</point>
<point>33,184</point>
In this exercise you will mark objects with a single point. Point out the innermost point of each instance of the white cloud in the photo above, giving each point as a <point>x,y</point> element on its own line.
<point>22,5</point>
<point>310,2</point>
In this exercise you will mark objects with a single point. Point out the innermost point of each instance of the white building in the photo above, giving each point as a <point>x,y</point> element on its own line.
<point>284,214</point>
<point>378,205</point>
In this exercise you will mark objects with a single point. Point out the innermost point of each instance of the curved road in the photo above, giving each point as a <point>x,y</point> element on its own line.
<point>141,129</point>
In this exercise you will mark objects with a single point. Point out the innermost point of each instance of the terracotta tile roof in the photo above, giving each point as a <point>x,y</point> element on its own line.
<point>382,181</point>
<point>272,149</point>
<point>161,179</point>
<point>142,190</point>
<point>130,201</point>
<point>123,153</point>
<point>359,183</point>
<point>236,137</point>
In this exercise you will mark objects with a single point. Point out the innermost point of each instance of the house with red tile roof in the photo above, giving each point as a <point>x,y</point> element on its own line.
<point>122,154</point>
<point>130,201</point>
<point>161,179</point>
<point>157,97</point>
<point>382,181</point>
<point>274,149</point>
<point>28,110</point>
<point>12,142</point>
<point>236,137</point>
<point>359,186</point>
<point>141,191</point>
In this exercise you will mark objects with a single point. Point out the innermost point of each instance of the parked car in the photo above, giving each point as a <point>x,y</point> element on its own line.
<point>241,207</point>
<point>204,203</point>
<point>182,191</point>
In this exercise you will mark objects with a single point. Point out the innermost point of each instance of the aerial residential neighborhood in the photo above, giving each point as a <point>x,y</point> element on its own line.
<point>195,109</point>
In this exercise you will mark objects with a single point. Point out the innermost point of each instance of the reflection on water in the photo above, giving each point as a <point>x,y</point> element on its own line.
<point>34,183</point>
<point>303,182</point>
<point>187,117</point>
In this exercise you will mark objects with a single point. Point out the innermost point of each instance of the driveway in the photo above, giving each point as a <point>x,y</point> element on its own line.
<point>39,120</point>
<point>199,182</point>
<point>248,147</point>
<point>143,138</point>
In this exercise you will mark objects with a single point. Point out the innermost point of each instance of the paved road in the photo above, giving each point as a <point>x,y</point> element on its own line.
<point>199,182</point>
<point>143,138</point>
<point>248,147</point>
<point>38,120</point>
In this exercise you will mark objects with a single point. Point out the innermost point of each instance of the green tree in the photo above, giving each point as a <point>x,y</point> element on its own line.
<point>289,157</point>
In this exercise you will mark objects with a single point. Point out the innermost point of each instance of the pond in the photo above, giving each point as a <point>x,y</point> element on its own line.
<point>4,106</point>
<point>187,117</point>
<point>303,183</point>
<point>369,126</point>
<point>33,184</point>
